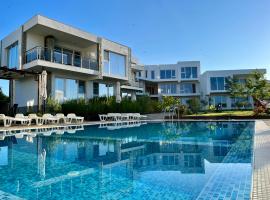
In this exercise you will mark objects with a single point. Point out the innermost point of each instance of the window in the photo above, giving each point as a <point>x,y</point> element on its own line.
<point>95,89</point>
<point>146,73</point>
<point>189,72</point>
<point>169,88</point>
<point>13,56</point>
<point>66,89</point>
<point>242,102</point>
<point>167,74</point>
<point>102,90</point>
<point>114,64</point>
<point>106,62</point>
<point>152,74</point>
<point>217,83</point>
<point>188,88</point>
<point>139,74</point>
<point>220,100</point>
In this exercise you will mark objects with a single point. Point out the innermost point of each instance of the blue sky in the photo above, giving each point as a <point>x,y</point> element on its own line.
<point>224,34</point>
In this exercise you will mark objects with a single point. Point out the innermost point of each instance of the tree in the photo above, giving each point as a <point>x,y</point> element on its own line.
<point>3,97</point>
<point>167,102</point>
<point>255,86</point>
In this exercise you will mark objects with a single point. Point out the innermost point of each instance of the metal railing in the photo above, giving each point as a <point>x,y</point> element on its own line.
<point>60,56</point>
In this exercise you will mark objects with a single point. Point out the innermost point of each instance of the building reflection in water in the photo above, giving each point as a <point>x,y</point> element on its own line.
<point>58,155</point>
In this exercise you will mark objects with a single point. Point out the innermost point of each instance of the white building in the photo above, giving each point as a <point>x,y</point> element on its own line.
<point>79,64</point>
<point>178,80</point>
<point>183,80</point>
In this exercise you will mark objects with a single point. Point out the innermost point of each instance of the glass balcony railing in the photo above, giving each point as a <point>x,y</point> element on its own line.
<point>61,56</point>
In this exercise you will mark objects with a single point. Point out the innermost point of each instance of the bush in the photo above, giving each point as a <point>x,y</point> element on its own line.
<point>102,105</point>
<point>194,105</point>
<point>167,102</point>
<point>53,106</point>
<point>182,110</point>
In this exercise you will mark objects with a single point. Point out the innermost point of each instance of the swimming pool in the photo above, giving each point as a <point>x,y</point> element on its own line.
<point>168,160</point>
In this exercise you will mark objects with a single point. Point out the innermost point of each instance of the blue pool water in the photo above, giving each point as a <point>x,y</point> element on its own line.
<point>169,160</point>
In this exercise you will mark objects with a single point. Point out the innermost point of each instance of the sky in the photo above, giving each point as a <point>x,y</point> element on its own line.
<point>223,34</point>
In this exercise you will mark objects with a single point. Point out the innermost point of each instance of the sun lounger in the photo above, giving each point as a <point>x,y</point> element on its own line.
<point>72,117</point>
<point>103,117</point>
<point>39,120</point>
<point>61,117</point>
<point>114,116</point>
<point>6,120</point>
<point>126,116</point>
<point>48,118</point>
<point>22,119</point>
<point>138,116</point>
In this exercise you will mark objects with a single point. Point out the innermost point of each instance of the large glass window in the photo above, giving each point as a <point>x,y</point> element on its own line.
<point>188,88</point>
<point>67,89</point>
<point>167,74</point>
<point>114,64</point>
<point>106,63</point>
<point>13,56</point>
<point>189,72</point>
<point>240,102</point>
<point>152,74</point>
<point>168,88</point>
<point>217,83</point>
<point>103,90</point>
<point>220,100</point>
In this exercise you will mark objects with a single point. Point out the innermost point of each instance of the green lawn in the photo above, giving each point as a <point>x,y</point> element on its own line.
<point>226,113</point>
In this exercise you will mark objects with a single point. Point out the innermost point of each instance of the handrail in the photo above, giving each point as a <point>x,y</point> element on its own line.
<point>61,57</point>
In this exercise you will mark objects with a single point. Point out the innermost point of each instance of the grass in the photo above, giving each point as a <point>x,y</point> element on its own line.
<point>236,113</point>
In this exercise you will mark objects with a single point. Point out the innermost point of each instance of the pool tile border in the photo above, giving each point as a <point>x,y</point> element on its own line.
<point>261,161</point>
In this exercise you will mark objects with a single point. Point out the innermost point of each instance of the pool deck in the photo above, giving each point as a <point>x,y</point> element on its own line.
<point>261,165</point>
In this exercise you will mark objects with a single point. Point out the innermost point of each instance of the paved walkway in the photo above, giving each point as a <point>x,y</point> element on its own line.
<point>261,166</point>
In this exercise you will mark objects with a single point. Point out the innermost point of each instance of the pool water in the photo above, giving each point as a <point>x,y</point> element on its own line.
<point>169,160</point>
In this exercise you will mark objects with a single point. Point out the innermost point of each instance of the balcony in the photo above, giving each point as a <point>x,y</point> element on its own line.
<point>61,56</point>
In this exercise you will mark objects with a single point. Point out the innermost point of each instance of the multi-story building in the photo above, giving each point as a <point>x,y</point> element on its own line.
<point>184,80</point>
<point>214,91</point>
<point>178,80</point>
<point>79,64</point>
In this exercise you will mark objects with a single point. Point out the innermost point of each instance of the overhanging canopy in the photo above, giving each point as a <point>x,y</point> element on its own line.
<point>10,74</point>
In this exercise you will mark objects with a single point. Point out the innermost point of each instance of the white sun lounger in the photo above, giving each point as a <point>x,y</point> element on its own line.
<point>72,117</point>
<point>48,118</point>
<point>138,116</point>
<point>114,116</point>
<point>62,117</point>
<point>39,120</point>
<point>6,120</point>
<point>22,119</point>
<point>103,117</point>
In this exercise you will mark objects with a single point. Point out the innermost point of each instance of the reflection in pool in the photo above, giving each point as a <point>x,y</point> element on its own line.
<point>170,160</point>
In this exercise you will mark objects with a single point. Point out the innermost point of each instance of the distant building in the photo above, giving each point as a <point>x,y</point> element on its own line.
<point>184,80</point>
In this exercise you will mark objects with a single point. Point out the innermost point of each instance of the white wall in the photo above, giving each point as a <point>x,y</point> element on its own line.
<point>33,40</point>
<point>15,36</point>
<point>26,92</point>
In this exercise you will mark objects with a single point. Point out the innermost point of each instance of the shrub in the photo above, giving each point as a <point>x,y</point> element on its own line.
<point>102,105</point>
<point>167,102</point>
<point>194,105</point>
<point>53,106</point>
<point>182,110</point>
<point>211,108</point>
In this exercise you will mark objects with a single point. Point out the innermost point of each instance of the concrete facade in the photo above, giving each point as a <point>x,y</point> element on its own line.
<point>66,53</point>
<point>188,82</point>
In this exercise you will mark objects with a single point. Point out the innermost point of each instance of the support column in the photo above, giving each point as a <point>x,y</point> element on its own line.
<point>118,92</point>
<point>133,96</point>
